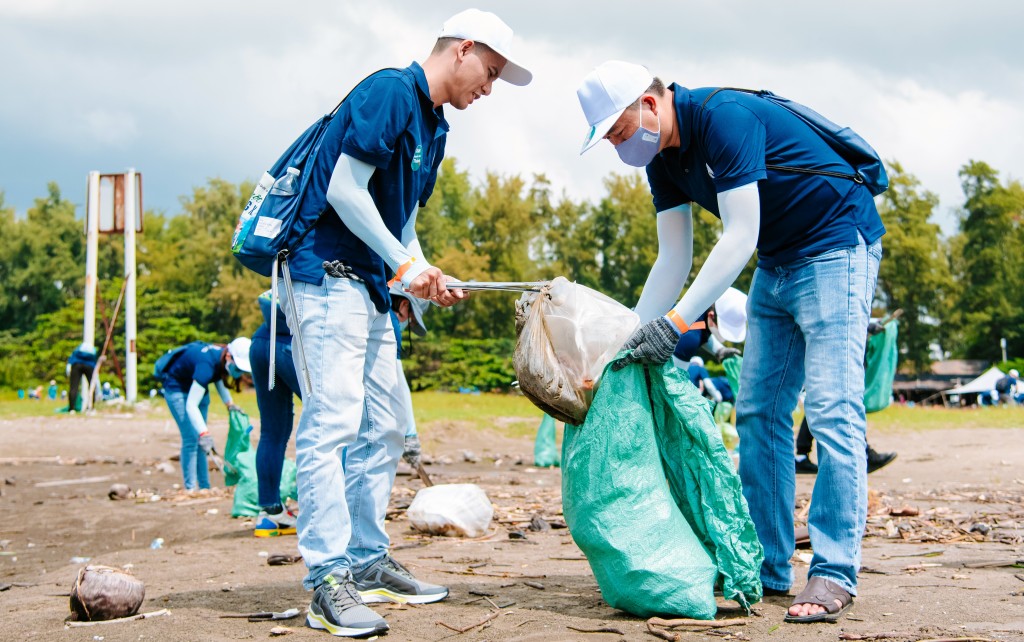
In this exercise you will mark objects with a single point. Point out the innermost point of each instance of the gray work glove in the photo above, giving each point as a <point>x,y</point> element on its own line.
<point>206,442</point>
<point>412,450</point>
<point>653,344</point>
<point>875,328</point>
<point>725,353</point>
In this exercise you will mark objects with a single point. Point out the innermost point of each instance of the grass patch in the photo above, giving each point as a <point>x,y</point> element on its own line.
<point>509,415</point>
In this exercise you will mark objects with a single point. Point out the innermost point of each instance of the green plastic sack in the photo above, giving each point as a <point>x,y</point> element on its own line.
<point>545,450</point>
<point>658,548</point>
<point>240,468</point>
<point>239,428</point>
<point>880,368</point>
<point>732,366</point>
<point>246,501</point>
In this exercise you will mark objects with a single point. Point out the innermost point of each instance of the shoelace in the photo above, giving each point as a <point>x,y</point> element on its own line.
<point>393,564</point>
<point>345,595</point>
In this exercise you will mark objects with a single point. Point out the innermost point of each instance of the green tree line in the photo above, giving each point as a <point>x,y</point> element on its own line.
<point>962,293</point>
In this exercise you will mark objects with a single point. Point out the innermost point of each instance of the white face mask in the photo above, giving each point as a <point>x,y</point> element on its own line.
<point>640,149</point>
<point>402,325</point>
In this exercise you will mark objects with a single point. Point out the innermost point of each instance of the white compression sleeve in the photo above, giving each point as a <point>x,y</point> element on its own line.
<point>349,197</point>
<point>740,209</point>
<point>225,394</point>
<point>195,395</point>
<point>670,269</point>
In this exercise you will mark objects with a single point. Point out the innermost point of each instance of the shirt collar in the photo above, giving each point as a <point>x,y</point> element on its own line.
<point>681,96</point>
<point>424,91</point>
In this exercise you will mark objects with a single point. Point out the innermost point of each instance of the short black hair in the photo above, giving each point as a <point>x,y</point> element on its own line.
<point>444,43</point>
<point>657,88</point>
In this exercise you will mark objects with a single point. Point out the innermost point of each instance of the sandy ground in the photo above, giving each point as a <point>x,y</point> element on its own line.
<point>210,564</point>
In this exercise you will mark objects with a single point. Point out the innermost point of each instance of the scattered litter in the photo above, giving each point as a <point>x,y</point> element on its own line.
<point>119,491</point>
<point>279,630</point>
<point>165,467</point>
<point>536,585</point>
<point>157,543</point>
<point>265,616</point>
<point>80,560</point>
<point>263,554</point>
<point>517,535</point>
<point>212,511</point>
<point>282,560</point>
<point>451,510</point>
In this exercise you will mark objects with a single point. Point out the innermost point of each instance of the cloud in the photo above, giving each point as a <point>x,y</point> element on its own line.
<point>189,90</point>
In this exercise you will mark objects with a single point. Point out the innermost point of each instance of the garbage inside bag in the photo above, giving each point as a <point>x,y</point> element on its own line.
<point>240,469</point>
<point>545,450</point>
<point>451,509</point>
<point>566,334</point>
<point>105,593</point>
<point>658,548</point>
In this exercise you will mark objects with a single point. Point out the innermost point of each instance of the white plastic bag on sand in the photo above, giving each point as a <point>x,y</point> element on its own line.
<point>451,509</point>
<point>566,335</point>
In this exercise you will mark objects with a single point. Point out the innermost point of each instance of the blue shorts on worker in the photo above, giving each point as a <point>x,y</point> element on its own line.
<point>389,121</point>
<point>818,253</point>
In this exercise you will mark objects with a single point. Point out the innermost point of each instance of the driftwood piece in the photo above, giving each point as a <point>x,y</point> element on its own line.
<point>664,635</point>
<point>465,629</point>
<point>603,629</point>
<point>139,616</point>
<point>698,624</point>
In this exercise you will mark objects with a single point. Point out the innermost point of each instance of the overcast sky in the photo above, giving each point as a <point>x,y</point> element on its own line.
<point>188,90</point>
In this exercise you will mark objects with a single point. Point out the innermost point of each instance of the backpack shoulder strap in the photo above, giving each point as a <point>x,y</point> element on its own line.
<point>746,91</point>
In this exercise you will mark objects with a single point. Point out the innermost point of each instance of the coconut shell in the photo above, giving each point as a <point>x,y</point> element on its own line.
<point>105,593</point>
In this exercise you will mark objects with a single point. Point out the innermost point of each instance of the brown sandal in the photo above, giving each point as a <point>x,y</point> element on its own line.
<point>823,592</point>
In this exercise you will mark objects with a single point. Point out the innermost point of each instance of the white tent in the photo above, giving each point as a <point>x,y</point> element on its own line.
<point>984,383</point>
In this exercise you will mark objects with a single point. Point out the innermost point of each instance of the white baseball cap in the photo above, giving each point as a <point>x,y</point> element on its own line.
<point>606,92</point>
<point>1014,373</point>
<point>731,315</point>
<point>489,29</point>
<point>239,351</point>
<point>417,305</point>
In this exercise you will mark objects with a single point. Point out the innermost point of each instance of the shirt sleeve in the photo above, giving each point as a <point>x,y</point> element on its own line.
<point>204,373</point>
<point>666,193</point>
<point>734,138</point>
<point>378,115</point>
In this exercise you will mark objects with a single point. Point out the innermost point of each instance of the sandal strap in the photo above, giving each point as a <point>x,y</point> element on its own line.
<point>823,592</point>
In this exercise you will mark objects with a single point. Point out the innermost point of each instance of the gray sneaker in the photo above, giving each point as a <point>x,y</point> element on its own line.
<point>388,581</point>
<point>338,609</point>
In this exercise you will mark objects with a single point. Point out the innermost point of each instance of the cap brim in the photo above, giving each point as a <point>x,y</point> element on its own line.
<point>733,335</point>
<point>417,322</point>
<point>513,73</point>
<point>242,362</point>
<point>598,131</point>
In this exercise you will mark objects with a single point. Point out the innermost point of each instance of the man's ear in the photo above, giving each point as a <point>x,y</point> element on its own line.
<point>463,48</point>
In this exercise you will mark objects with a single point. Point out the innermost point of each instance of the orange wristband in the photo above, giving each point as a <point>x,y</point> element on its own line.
<point>677,321</point>
<point>402,269</point>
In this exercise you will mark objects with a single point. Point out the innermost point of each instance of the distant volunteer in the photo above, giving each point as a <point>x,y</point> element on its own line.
<point>756,165</point>
<point>186,389</point>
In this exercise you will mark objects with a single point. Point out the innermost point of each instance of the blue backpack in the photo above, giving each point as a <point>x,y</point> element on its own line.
<point>167,359</point>
<point>868,169</point>
<point>269,226</point>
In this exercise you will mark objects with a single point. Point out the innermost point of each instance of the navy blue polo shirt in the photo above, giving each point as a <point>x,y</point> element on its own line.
<point>724,389</point>
<point>263,332</point>
<point>697,373</point>
<point>728,143</point>
<point>200,363</point>
<point>691,340</point>
<point>390,122</point>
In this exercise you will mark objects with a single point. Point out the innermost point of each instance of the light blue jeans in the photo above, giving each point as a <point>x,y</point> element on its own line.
<point>807,326</point>
<point>193,459</point>
<point>348,441</point>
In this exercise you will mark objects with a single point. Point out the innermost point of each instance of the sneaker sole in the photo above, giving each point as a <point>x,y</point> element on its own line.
<point>314,621</point>
<point>377,596</point>
<point>273,532</point>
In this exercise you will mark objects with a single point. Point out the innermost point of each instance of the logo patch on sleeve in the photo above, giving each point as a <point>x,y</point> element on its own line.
<point>417,158</point>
